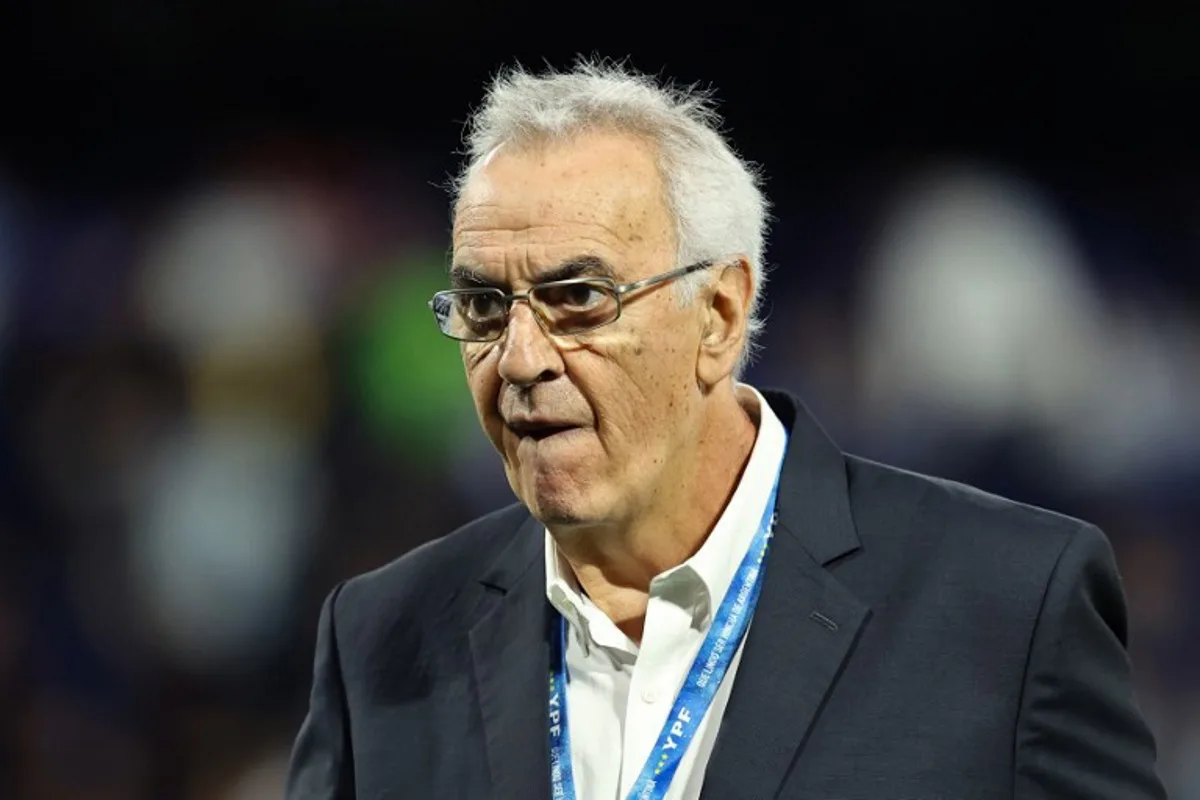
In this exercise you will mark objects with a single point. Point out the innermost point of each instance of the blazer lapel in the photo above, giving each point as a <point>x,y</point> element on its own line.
<point>804,627</point>
<point>511,653</point>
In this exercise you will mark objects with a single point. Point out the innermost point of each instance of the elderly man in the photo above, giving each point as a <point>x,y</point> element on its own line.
<point>699,594</point>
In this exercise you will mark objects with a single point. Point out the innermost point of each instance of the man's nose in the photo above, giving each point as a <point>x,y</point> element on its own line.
<point>528,355</point>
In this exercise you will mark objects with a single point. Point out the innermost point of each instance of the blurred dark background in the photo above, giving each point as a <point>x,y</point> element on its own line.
<point>221,391</point>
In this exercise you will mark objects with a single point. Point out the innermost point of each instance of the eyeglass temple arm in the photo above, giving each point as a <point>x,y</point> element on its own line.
<point>666,276</point>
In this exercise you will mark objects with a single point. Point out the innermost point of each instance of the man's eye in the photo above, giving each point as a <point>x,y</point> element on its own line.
<point>572,296</point>
<point>482,306</point>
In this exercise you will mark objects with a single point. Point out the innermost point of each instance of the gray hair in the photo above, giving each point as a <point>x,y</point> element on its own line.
<point>713,194</point>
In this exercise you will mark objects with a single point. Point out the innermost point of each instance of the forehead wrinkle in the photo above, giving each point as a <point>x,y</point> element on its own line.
<point>553,215</point>
<point>529,260</point>
<point>547,233</point>
<point>576,240</point>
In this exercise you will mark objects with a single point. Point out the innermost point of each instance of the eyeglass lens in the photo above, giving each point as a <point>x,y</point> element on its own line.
<point>565,308</point>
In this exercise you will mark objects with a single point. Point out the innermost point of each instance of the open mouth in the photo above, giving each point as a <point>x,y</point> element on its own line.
<point>538,431</point>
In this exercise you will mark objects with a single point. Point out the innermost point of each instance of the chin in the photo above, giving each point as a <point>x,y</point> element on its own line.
<point>559,499</point>
<point>557,508</point>
<point>558,487</point>
<point>558,517</point>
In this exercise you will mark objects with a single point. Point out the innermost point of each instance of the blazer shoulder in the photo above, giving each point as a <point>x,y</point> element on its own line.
<point>956,552</point>
<point>434,573</point>
<point>887,497</point>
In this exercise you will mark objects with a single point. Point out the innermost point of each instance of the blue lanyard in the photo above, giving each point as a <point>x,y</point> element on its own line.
<point>699,688</point>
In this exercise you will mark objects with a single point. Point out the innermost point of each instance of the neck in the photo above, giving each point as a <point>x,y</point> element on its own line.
<point>615,566</point>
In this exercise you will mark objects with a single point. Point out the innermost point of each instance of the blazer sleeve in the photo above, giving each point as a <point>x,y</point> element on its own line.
<point>322,766</point>
<point>1079,732</point>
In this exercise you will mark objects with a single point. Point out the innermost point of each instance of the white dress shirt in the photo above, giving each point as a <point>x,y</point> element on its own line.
<point>619,693</point>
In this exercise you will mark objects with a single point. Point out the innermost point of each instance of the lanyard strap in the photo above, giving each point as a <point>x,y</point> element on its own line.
<point>724,637</point>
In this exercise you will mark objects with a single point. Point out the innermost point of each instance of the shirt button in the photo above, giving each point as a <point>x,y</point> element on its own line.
<point>648,696</point>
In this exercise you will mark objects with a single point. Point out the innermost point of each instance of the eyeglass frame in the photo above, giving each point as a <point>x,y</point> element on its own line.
<point>619,291</point>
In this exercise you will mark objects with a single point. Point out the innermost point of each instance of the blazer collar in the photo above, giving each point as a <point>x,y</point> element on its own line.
<point>814,498</point>
<point>510,653</point>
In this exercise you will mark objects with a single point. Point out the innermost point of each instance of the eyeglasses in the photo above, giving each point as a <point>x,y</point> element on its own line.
<point>562,308</point>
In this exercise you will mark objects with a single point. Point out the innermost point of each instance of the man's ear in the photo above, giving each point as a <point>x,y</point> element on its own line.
<point>727,302</point>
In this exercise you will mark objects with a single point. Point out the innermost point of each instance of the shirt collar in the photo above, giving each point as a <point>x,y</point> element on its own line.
<point>562,589</point>
<point>704,578</point>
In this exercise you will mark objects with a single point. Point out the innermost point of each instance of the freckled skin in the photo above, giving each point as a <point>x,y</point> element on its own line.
<point>632,385</point>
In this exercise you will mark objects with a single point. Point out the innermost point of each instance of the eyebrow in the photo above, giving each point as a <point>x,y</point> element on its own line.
<point>587,266</point>
<point>462,277</point>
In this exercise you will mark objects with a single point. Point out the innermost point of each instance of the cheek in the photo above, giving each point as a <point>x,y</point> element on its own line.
<point>662,378</point>
<point>661,357</point>
<point>634,389</point>
<point>484,384</point>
